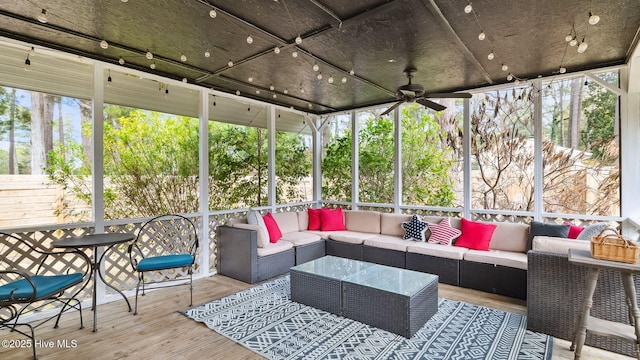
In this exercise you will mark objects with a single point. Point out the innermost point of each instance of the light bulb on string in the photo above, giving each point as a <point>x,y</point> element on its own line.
<point>275,96</point>
<point>109,80</point>
<point>213,13</point>
<point>285,91</point>
<point>276,50</point>
<point>344,79</point>
<point>27,63</point>
<point>153,66</point>
<point>316,67</point>
<point>491,56</point>
<point>230,63</point>
<point>257,92</point>
<point>319,76</point>
<point>562,70</point>
<point>294,54</point>
<point>468,9</point>
<point>593,19</point>
<point>330,79</point>
<point>351,72</point>
<point>149,55</point>
<point>298,40</point>
<point>250,79</point>
<point>249,40</point>
<point>184,80</point>
<point>104,44</point>
<point>32,52</point>
<point>42,17</point>
<point>505,67</point>
<point>207,54</point>
<point>271,87</point>
<point>482,36</point>
<point>509,77</point>
<point>121,61</point>
<point>183,58</point>
<point>573,42</point>
<point>568,38</point>
<point>238,92</point>
<point>583,47</point>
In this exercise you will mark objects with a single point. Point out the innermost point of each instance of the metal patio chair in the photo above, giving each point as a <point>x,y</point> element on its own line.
<point>166,242</point>
<point>33,279</point>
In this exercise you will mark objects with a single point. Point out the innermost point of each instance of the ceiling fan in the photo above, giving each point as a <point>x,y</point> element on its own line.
<point>415,93</point>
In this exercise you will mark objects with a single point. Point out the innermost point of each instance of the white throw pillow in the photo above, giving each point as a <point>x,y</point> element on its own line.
<point>254,218</point>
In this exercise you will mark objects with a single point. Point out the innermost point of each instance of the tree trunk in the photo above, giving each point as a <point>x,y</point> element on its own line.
<point>60,126</point>
<point>87,115</point>
<point>13,158</point>
<point>575,111</point>
<point>41,131</point>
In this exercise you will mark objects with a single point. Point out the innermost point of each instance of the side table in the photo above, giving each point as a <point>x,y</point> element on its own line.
<point>594,325</point>
<point>95,241</point>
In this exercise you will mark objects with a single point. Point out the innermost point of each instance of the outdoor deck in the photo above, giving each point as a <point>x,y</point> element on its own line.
<point>161,332</point>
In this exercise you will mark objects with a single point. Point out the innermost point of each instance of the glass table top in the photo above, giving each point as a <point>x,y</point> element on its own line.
<point>386,278</point>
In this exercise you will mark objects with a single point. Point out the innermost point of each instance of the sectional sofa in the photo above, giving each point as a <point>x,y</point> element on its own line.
<point>244,252</point>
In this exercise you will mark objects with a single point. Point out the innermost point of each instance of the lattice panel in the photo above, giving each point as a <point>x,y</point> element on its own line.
<point>519,219</point>
<point>294,208</point>
<point>335,206</point>
<point>425,212</point>
<point>215,221</point>
<point>382,209</point>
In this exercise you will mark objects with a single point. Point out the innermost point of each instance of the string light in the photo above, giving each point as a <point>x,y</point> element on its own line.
<point>104,44</point>
<point>27,63</point>
<point>298,40</point>
<point>121,61</point>
<point>573,41</point>
<point>491,56</point>
<point>258,92</point>
<point>316,67</point>
<point>213,13</point>
<point>153,65</point>
<point>149,55</point>
<point>250,79</point>
<point>468,9</point>
<point>42,17</point>
<point>230,63</point>
<point>351,72</point>
<point>330,79</point>
<point>319,76</point>
<point>505,67</point>
<point>344,79</point>
<point>184,80</point>
<point>583,46</point>
<point>593,19</point>
<point>294,54</point>
<point>207,54</point>
<point>275,96</point>
<point>276,50</point>
<point>271,87</point>
<point>286,91</point>
<point>509,77</point>
<point>568,38</point>
<point>183,57</point>
<point>238,92</point>
<point>562,70</point>
<point>109,79</point>
<point>249,40</point>
<point>482,35</point>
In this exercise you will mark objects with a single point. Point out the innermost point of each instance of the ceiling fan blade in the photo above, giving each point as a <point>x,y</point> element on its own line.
<point>408,93</point>
<point>430,104</point>
<point>391,108</point>
<point>449,95</point>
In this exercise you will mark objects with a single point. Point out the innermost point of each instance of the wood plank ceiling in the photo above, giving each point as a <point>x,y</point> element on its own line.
<point>365,43</point>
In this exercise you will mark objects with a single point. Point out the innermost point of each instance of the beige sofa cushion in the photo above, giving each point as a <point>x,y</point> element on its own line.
<point>287,221</point>
<point>510,237</point>
<point>300,237</point>
<point>351,237</point>
<point>271,249</point>
<point>303,220</point>
<point>438,250</point>
<point>391,224</point>
<point>558,245</point>
<point>362,221</point>
<point>388,242</point>
<point>263,237</point>
<point>323,234</point>
<point>512,259</point>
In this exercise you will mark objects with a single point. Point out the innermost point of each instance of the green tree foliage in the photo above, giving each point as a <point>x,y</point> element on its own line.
<point>14,126</point>
<point>425,166</point>
<point>598,130</point>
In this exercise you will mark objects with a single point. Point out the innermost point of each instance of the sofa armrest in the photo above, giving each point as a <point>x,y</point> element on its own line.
<point>237,252</point>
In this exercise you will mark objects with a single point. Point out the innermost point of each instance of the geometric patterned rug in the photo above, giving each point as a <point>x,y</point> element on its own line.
<point>264,320</point>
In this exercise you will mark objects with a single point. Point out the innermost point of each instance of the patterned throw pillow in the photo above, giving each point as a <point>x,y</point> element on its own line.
<point>415,229</point>
<point>443,233</point>
<point>591,231</point>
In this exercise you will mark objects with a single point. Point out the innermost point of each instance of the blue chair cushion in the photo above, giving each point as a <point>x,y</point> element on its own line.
<point>46,285</point>
<point>165,262</point>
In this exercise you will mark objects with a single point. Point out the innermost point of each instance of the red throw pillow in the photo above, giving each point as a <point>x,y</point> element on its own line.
<point>574,230</point>
<point>314,219</point>
<point>331,220</point>
<point>272,228</point>
<point>475,235</point>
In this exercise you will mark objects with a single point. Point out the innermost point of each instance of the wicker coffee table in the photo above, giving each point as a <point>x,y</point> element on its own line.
<point>397,300</point>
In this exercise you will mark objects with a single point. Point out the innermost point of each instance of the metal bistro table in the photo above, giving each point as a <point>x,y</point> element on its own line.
<point>588,323</point>
<point>96,241</point>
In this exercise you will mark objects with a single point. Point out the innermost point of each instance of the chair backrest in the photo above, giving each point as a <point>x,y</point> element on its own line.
<point>165,235</point>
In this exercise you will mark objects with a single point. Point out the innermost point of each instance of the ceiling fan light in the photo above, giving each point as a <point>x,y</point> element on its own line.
<point>593,19</point>
<point>213,13</point>
<point>491,56</point>
<point>298,40</point>
<point>468,9</point>
<point>104,44</point>
<point>482,36</point>
<point>249,40</point>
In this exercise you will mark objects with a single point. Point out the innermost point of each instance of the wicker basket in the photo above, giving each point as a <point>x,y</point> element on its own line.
<point>610,245</point>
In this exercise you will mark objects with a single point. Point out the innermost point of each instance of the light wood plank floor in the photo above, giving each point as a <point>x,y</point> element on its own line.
<point>161,332</point>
